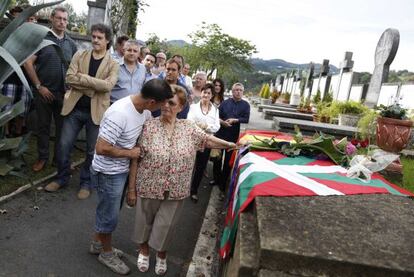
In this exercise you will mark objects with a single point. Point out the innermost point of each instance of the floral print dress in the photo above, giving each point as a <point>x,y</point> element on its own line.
<point>168,159</point>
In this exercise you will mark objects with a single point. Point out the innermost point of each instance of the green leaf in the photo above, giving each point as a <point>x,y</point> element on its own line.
<point>21,19</point>
<point>21,44</point>
<point>5,169</point>
<point>10,143</point>
<point>4,100</point>
<point>15,66</point>
<point>3,7</point>
<point>11,113</point>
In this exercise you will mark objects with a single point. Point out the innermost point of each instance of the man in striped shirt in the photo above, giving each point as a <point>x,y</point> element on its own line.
<point>118,133</point>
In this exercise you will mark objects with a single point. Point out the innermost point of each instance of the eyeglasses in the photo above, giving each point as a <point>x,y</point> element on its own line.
<point>60,18</point>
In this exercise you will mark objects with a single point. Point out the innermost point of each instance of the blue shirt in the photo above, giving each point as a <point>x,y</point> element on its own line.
<point>233,109</point>
<point>128,83</point>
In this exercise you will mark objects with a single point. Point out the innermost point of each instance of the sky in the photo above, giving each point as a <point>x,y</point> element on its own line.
<point>298,31</point>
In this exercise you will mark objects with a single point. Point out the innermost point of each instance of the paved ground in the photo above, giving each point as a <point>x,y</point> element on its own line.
<point>53,239</point>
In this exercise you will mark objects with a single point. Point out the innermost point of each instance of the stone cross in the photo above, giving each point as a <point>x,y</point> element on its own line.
<point>384,55</point>
<point>309,79</point>
<point>324,72</point>
<point>345,66</point>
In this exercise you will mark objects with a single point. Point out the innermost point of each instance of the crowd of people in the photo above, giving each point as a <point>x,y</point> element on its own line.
<point>150,132</point>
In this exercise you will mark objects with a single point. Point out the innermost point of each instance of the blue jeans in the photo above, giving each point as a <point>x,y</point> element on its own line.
<point>109,189</point>
<point>72,125</point>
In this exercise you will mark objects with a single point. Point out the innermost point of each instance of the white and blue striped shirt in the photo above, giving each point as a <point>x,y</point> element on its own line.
<point>121,126</point>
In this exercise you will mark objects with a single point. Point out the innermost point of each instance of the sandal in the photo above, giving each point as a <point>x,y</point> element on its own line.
<point>161,266</point>
<point>143,263</point>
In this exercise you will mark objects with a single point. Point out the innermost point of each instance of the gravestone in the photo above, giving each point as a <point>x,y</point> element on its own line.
<point>309,80</point>
<point>279,82</point>
<point>324,72</point>
<point>345,66</point>
<point>384,55</point>
<point>97,13</point>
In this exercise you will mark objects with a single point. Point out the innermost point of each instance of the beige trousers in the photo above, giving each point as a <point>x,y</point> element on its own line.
<point>155,222</point>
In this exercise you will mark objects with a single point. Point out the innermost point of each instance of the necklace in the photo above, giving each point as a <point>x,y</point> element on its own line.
<point>208,109</point>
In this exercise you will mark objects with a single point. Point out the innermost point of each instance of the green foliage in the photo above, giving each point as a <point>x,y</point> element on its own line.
<point>215,50</point>
<point>351,107</point>
<point>317,97</point>
<point>266,91</point>
<point>367,125</point>
<point>323,109</point>
<point>393,111</point>
<point>156,44</point>
<point>328,97</point>
<point>125,12</point>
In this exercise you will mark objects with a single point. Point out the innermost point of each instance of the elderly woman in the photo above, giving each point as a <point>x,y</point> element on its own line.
<point>162,177</point>
<point>206,116</point>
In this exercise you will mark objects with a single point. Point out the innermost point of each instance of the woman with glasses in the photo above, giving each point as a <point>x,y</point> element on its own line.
<point>160,180</point>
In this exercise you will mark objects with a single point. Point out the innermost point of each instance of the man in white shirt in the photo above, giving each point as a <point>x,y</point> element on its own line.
<point>118,133</point>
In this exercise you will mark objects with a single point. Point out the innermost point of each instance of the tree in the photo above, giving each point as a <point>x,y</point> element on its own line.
<point>214,50</point>
<point>156,44</point>
<point>124,15</point>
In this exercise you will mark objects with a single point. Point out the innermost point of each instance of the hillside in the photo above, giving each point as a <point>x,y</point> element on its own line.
<point>278,65</point>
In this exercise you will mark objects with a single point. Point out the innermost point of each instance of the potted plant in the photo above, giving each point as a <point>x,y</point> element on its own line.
<point>350,112</point>
<point>367,126</point>
<point>286,98</point>
<point>265,94</point>
<point>323,111</point>
<point>393,128</point>
<point>274,96</point>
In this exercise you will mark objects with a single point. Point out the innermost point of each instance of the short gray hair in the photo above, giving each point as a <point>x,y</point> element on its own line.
<point>237,85</point>
<point>59,9</point>
<point>133,42</point>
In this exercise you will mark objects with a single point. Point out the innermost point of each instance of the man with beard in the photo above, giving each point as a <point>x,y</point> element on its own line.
<point>91,76</point>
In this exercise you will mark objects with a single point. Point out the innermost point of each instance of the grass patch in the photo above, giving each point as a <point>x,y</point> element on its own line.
<point>9,184</point>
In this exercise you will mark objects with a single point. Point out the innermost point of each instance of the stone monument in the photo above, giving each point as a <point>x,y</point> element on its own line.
<point>309,80</point>
<point>323,73</point>
<point>384,55</point>
<point>99,12</point>
<point>345,66</point>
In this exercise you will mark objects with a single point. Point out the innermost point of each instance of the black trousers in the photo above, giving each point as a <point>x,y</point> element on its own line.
<point>199,167</point>
<point>222,169</point>
<point>45,111</point>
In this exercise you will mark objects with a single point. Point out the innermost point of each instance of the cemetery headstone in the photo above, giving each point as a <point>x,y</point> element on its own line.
<point>345,66</point>
<point>384,55</point>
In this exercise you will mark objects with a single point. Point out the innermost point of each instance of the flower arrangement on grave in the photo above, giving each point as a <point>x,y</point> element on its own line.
<point>305,105</point>
<point>320,146</point>
<point>350,112</point>
<point>323,112</point>
<point>286,97</point>
<point>274,96</point>
<point>317,97</point>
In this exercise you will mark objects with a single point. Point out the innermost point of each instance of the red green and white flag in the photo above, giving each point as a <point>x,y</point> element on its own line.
<point>273,174</point>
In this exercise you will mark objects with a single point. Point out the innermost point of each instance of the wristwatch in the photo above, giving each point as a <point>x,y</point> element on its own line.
<point>38,86</point>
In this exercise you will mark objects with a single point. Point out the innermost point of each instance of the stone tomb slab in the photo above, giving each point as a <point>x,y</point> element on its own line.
<point>360,235</point>
<point>310,127</point>
<point>269,114</point>
<point>279,107</point>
